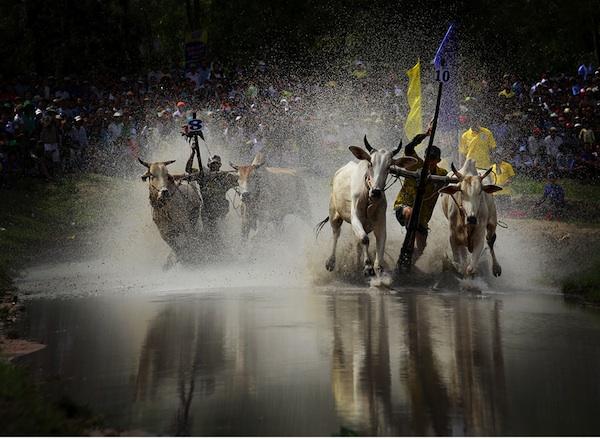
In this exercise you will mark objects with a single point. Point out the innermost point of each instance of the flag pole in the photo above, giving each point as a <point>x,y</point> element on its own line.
<point>404,263</point>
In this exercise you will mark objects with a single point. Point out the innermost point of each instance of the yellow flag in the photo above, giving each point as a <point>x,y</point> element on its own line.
<point>414,122</point>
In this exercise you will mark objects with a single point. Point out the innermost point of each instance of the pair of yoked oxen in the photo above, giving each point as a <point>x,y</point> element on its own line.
<point>357,197</point>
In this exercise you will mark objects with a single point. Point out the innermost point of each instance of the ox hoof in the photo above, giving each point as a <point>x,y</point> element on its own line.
<point>497,270</point>
<point>330,264</point>
<point>469,272</point>
<point>368,271</point>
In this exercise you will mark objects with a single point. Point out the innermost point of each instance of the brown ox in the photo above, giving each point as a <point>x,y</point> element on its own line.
<point>471,212</point>
<point>175,209</point>
<point>269,194</point>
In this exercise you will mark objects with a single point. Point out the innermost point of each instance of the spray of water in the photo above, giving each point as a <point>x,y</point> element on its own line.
<point>128,252</point>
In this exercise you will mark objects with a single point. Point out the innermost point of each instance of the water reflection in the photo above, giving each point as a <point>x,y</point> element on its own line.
<point>173,346</point>
<point>304,363</point>
<point>418,365</point>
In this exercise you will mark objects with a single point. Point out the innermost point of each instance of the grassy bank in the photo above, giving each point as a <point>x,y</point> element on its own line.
<point>585,285</point>
<point>582,200</point>
<point>26,412</point>
<point>38,216</point>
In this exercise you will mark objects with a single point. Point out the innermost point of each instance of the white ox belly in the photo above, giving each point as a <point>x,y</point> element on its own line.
<point>341,195</point>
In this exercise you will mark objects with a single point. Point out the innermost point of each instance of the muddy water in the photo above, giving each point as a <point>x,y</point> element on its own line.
<point>312,361</point>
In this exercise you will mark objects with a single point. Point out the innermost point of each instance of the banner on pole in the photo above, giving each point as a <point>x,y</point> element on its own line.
<point>445,64</point>
<point>414,121</point>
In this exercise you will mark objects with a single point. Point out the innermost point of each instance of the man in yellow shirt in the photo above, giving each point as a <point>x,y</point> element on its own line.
<point>403,206</point>
<point>502,175</point>
<point>477,144</point>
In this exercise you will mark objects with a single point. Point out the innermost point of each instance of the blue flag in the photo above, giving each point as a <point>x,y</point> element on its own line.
<point>445,64</point>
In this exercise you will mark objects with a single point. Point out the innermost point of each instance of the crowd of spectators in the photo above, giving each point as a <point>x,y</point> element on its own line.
<point>50,126</point>
<point>550,125</point>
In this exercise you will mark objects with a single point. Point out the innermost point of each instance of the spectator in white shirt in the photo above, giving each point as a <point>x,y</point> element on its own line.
<point>535,145</point>
<point>553,143</point>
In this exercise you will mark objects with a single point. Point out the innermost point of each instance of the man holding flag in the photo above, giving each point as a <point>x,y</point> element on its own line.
<point>405,200</point>
<point>416,201</point>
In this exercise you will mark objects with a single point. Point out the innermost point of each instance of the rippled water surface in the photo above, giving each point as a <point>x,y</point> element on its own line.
<point>323,362</point>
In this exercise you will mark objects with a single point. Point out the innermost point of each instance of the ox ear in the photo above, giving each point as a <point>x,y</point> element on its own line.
<point>258,165</point>
<point>145,176</point>
<point>360,153</point>
<point>168,162</point>
<point>409,163</point>
<point>491,188</point>
<point>450,190</point>
<point>147,165</point>
<point>233,166</point>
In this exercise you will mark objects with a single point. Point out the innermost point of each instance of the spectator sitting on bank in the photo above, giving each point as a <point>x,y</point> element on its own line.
<point>555,195</point>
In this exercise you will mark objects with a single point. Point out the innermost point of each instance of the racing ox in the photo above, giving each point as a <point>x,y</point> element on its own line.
<point>471,213</point>
<point>358,197</point>
<point>176,209</point>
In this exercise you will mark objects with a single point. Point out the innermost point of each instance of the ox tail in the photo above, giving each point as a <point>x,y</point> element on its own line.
<point>320,226</point>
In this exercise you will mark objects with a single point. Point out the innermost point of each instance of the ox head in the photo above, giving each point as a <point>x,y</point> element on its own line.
<point>471,187</point>
<point>159,179</point>
<point>379,161</point>
<point>248,180</point>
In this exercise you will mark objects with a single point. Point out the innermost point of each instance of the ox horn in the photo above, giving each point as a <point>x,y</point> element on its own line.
<point>147,165</point>
<point>397,150</point>
<point>458,174</point>
<point>168,162</point>
<point>233,166</point>
<point>368,145</point>
<point>485,174</point>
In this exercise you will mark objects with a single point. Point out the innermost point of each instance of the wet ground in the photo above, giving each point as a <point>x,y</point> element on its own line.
<point>322,360</point>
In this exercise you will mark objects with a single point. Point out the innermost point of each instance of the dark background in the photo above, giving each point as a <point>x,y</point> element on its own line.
<point>93,36</point>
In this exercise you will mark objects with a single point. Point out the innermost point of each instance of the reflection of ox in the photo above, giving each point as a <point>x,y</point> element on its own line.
<point>471,212</point>
<point>175,209</point>
<point>269,194</point>
<point>357,197</point>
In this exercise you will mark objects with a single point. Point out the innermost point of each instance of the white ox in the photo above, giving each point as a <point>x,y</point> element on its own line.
<point>358,197</point>
<point>471,213</point>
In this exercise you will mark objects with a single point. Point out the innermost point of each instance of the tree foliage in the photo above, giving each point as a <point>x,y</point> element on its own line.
<point>64,36</point>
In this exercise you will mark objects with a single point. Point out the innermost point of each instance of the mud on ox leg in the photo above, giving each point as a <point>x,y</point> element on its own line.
<point>363,238</point>
<point>491,239</point>
<point>336,228</point>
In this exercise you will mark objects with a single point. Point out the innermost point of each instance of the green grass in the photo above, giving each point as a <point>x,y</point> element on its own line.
<point>582,200</point>
<point>24,411</point>
<point>575,190</point>
<point>585,285</point>
<point>36,216</point>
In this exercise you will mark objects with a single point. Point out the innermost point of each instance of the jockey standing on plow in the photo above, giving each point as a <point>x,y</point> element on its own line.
<point>403,206</point>
<point>213,183</point>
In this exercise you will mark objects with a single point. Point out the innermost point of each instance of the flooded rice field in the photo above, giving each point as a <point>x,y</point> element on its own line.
<point>251,360</point>
<point>264,341</point>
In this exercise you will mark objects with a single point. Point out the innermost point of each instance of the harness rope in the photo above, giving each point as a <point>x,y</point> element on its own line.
<point>232,201</point>
<point>462,212</point>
